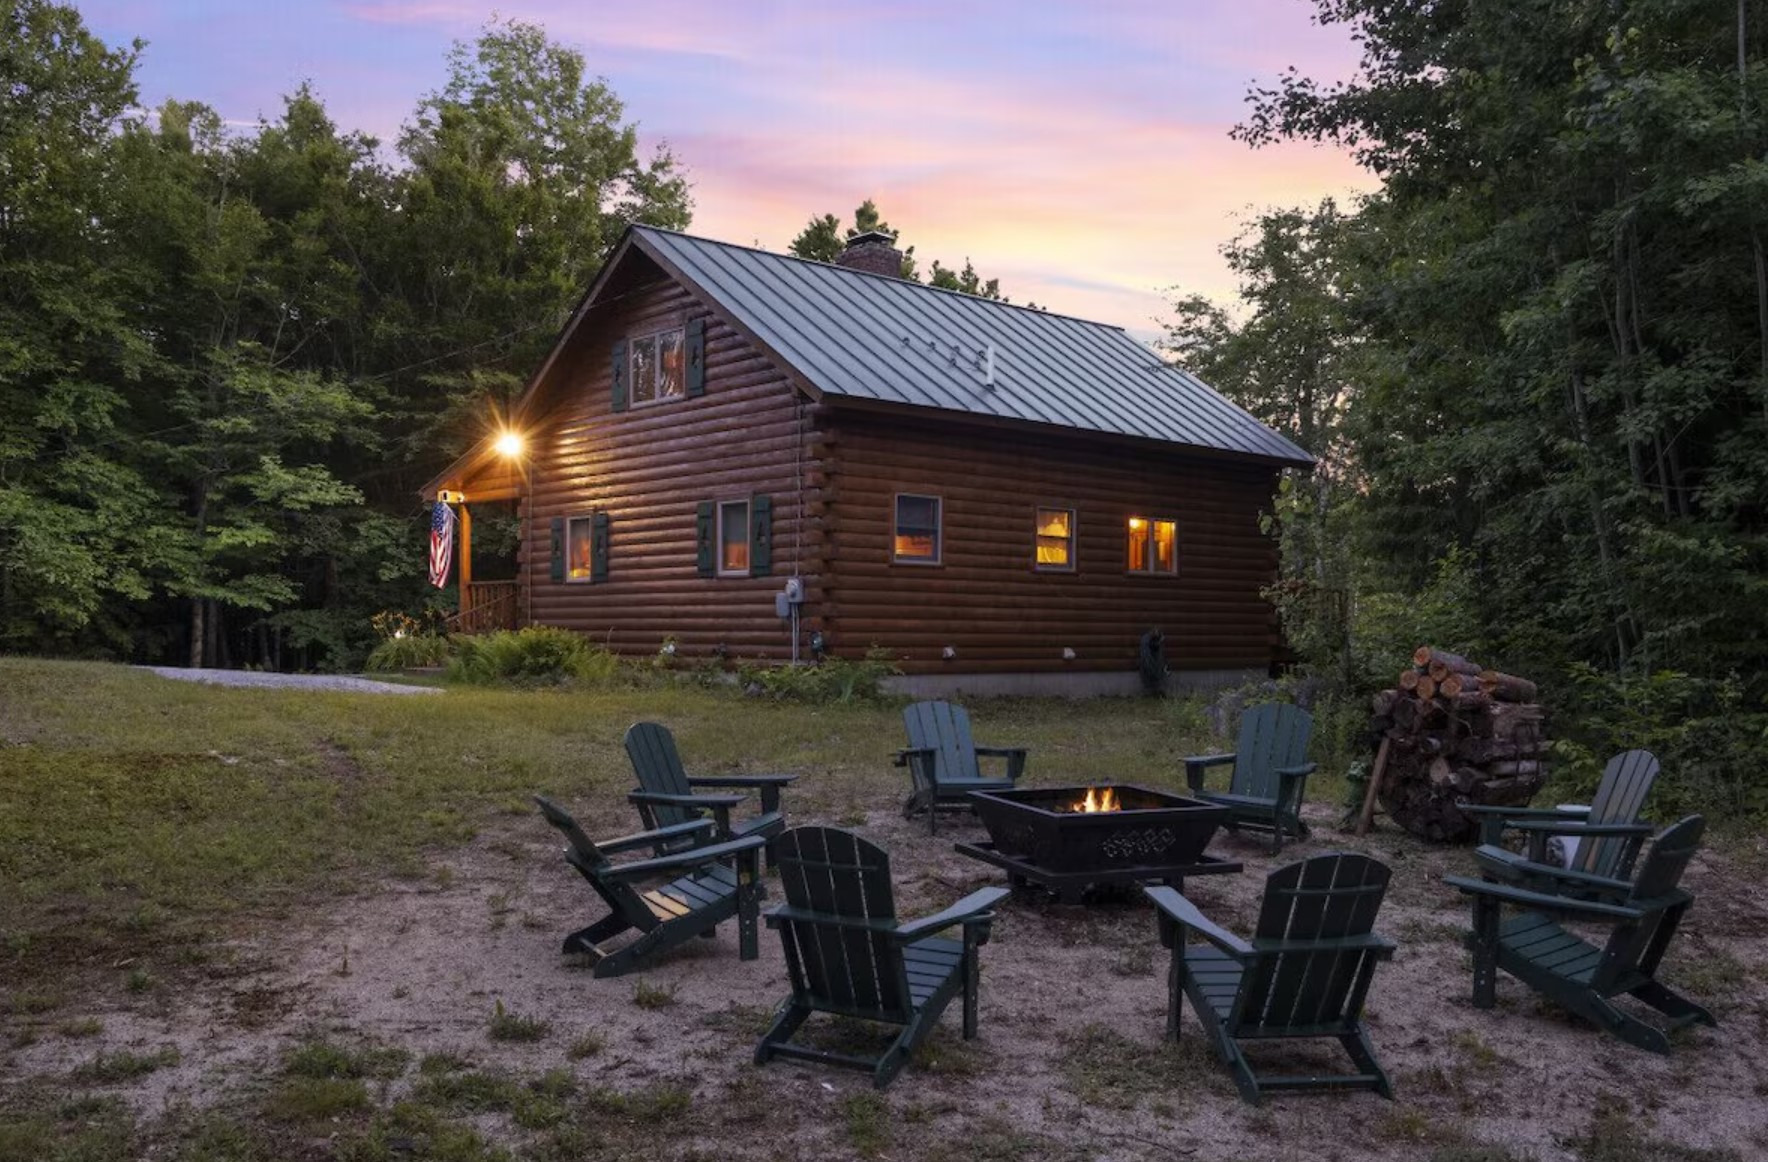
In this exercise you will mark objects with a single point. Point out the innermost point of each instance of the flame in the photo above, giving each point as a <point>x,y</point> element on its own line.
<point>1100,799</point>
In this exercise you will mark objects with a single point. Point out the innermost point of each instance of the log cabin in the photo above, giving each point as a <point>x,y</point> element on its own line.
<point>755,456</point>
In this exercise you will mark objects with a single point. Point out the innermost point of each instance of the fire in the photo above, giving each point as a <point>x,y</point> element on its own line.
<point>1099,799</point>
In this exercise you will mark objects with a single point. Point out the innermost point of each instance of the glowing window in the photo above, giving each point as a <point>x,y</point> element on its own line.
<point>733,538</point>
<point>917,530</point>
<point>1152,546</point>
<point>1055,539</point>
<point>577,550</point>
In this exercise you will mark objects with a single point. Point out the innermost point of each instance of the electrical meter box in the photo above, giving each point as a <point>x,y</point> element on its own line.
<point>795,590</point>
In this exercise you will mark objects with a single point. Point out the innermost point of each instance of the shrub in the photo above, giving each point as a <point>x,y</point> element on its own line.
<point>537,655</point>
<point>830,680</point>
<point>409,653</point>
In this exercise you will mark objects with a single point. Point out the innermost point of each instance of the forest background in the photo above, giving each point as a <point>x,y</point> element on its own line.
<point>1533,363</point>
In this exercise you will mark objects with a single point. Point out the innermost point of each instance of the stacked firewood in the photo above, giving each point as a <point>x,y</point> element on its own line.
<point>1454,732</point>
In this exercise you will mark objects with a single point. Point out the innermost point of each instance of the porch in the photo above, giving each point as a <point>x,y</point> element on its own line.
<point>488,606</point>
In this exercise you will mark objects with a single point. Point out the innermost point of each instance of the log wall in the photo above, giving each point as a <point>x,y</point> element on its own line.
<point>649,468</point>
<point>987,601</point>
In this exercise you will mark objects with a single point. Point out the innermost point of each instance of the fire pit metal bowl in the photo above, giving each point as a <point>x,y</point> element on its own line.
<point>1071,838</point>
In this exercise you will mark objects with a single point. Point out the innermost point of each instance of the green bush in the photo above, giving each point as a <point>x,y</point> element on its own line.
<point>830,680</point>
<point>537,655</point>
<point>409,653</point>
<point>1712,743</point>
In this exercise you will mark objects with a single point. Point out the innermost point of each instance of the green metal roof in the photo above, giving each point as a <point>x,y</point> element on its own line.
<point>865,336</point>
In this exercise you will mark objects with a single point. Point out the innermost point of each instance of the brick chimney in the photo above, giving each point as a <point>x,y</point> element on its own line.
<point>874,252</point>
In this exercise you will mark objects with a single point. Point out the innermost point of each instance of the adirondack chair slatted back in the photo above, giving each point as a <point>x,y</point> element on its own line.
<point>838,874</point>
<point>655,761</point>
<point>1638,946</point>
<point>1626,781</point>
<point>1272,735</point>
<point>589,860</point>
<point>1327,897</point>
<point>945,728</point>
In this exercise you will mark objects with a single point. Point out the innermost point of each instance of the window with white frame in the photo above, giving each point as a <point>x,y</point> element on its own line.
<point>1055,540</point>
<point>1152,545</point>
<point>656,367</point>
<point>733,538</point>
<point>916,537</point>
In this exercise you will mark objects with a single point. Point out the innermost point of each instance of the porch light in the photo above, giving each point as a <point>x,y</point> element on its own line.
<point>509,444</point>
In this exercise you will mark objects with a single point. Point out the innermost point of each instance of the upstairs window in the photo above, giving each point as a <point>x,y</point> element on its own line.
<point>657,367</point>
<point>916,539</point>
<point>1153,545</point>
<point>1055,540</point>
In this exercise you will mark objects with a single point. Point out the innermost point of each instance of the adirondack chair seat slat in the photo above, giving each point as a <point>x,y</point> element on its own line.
<point>944,764</point>
<point>1535,947</point>
<point>723,882</point>
<point>1304,974</point>
<point>847,954</point>
<point>1270,772</point>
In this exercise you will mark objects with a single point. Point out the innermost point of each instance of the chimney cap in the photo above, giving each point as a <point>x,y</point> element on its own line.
<point>869,236</point>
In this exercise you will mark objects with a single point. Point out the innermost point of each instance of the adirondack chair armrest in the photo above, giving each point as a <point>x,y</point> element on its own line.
<point>1301,772</point>
<point>768,785</point>
<point>1503,862</point>
<point>972,909</point>
<point>1570,827</point>
<point>1493,820</point>
<point>1176,909</point>
<point>665,799</point>
<point>1197,766</point>
<point>698,857</point>
<point>660,835</point>
<point>741,780</point>
<point>1542,901</point>
<point>910,754</point>
<point>1015,756</point>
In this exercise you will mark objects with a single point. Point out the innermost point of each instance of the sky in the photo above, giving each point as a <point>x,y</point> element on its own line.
<point>1077,151</point>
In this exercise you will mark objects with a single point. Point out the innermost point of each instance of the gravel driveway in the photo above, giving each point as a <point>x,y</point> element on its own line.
<point>289,681</point>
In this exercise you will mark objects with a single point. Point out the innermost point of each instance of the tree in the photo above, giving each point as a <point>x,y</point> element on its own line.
<point>75,524</point>
<point>822,240</point>
<point>1563,313</point>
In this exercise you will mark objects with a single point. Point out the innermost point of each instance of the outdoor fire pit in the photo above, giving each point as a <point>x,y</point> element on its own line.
<point>1071,838</point>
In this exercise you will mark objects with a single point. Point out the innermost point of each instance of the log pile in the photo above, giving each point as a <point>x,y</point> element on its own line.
<point>1453,731</point>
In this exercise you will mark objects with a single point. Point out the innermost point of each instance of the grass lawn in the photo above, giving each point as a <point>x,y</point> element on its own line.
<point>266,924</point>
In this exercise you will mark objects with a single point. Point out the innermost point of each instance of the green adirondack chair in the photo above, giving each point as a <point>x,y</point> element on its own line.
<point>943,761</point>
<point>1534,946</point>
<point>847,954</point>
<point>667,796</point>
<point>710,884</point>
<point>1608,831</point>
<point>1270,772</point>
<point>1305,973</point>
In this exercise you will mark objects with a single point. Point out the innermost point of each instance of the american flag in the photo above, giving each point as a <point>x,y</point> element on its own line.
<point>441,542</point>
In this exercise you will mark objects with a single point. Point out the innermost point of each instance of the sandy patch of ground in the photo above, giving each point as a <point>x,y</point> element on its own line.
<point>1070,1061</point>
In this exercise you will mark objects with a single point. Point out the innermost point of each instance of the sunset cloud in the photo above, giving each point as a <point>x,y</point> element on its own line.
<point>1080,154</point>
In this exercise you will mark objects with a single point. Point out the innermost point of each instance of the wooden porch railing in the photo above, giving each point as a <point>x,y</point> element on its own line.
<point>487,606</point>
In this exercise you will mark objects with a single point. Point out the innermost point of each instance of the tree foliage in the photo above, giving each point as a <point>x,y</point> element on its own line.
<point>823,239</point>
<point>227,360</point>
<point>1554,316</point>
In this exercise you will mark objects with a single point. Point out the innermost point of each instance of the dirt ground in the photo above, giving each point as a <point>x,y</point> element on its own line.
<point>1069,1063</point>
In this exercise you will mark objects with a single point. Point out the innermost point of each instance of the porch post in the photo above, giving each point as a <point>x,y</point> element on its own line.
<point>466,558</point>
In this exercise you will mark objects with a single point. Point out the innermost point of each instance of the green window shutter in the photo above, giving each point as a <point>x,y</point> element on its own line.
<point>598,547</point>
<point>761,536</point>
<point>705,528</point>
<point>696,357</point>
<point>617,376</point>
<point>558,548</point>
